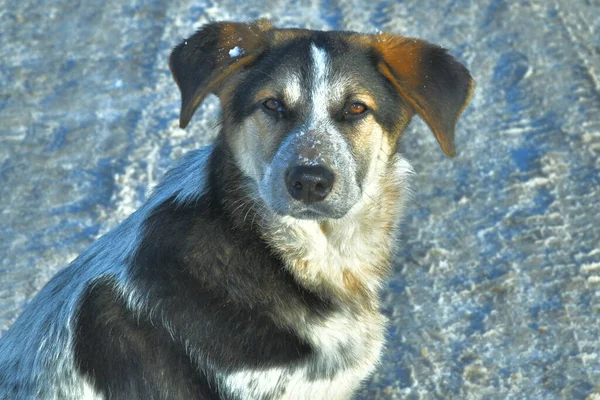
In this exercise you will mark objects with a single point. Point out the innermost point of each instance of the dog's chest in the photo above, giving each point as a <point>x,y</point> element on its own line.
<point>346,260</point>
<point>347,348</point>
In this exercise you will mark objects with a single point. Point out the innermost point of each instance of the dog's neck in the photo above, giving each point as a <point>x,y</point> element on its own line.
<point>342,259</point>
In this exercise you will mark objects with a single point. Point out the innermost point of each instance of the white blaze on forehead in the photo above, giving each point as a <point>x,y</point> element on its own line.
<point>322,86</point>
<point>327,91</point>
<point>293,89</point>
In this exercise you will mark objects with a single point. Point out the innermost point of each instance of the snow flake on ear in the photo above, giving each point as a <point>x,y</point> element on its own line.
<point>236,52</point>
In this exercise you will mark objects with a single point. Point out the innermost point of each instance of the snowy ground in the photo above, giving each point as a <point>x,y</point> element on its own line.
<point>496,291</point>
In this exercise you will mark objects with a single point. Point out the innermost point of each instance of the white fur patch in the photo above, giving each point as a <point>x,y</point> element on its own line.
<point>321,89</point>
<point>359,335</point>
<point>284,385</point>
<point>247,151</point>
<point>297,383</point>
<point>89,393</point>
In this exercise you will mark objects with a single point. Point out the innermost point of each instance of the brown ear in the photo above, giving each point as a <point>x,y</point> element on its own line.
<point>436,85</point>
<point>202,62</point>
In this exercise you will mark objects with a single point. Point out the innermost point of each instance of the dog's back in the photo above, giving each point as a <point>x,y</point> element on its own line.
<point>254,269</point>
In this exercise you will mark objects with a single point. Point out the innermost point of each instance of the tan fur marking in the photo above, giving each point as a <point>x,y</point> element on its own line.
<point>418,104</point>
<point>367,99</point>
<point>468,99</point>
<point>353,285</point>
<point>363,138</point>
<point>264,94</point>
<point>403,55</point>
<point>324,228</point>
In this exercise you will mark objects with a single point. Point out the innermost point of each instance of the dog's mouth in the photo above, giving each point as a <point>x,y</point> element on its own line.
<point>315,213</point>
<point>334,206</point>
<point>310,214</point>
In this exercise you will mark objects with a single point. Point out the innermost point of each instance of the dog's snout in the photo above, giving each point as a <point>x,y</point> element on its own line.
<point>308,183</point>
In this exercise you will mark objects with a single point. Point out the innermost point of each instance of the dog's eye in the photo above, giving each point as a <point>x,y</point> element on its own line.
<point>355,110</point>
<point>273,105</point>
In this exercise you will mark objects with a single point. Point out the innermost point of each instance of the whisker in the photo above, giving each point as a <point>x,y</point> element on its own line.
<point>241,206</point>
<point>265,73</point>
<point>249,209</point>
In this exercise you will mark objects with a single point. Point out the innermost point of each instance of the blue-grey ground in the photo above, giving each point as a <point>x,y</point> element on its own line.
<point>496,290</point>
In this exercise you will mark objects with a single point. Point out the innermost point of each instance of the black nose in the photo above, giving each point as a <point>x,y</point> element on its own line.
<point>308,183</point>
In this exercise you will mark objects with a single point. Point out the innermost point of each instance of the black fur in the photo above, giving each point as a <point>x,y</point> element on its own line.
<point>129,357</point>
<point>198,52</point>
<point>197,64</point>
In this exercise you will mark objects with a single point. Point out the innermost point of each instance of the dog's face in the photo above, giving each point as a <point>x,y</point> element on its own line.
<point>308,123</point>
<point>313,118</point>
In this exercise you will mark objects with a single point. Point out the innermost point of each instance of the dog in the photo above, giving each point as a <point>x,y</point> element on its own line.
<point>254,269</point>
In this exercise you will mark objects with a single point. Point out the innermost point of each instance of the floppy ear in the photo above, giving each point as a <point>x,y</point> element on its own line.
<point>202,62</point>
<point>436,85</point>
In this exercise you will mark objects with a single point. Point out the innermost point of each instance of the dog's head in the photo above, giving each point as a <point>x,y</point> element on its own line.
<point>313,118</point>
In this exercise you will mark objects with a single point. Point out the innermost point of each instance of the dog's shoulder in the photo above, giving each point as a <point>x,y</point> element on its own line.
<point>37,354</point>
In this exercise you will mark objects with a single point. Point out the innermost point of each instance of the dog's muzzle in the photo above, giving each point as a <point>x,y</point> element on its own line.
<point>311,176</point>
